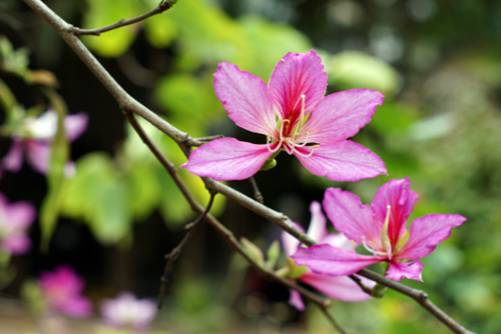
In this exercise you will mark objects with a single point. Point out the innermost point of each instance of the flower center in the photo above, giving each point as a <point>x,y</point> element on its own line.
<point>385,248</point>
<point>288,135</point>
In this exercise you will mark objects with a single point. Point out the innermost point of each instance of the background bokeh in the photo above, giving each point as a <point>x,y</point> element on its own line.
<point>438,63</point>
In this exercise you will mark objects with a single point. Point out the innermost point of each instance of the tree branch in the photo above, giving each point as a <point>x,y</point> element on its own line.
<point>162,7</point>
<point>128,103</point>
<point>229,237</point>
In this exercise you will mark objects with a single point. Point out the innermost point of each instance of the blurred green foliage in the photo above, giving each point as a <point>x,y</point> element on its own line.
<point>439,126</point>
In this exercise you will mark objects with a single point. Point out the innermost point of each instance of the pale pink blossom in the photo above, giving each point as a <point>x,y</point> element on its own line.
<point>34,140</point>
<point>15,220</point>
<point>128,312</point>
<point>381,229</point>
<point>294,114</point>
<point>62,290</point>
<point>335,287</point>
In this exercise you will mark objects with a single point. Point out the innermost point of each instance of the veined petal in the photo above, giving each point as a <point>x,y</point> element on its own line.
<point>343,161</point>
<point>398,270</point>
<point>245,98</point>
<point>399,196</point>
<point>14,158</point>
<point>427,232</point>
<point>317,229</point>
<point>227,159</point>
<point>350,217</point>
<point>338,287</point>
<point>38,154</point>
<point>341,115</point>
<point>75,125</point>
<point>338,240</point>
<point>289,242</point>
<point>298,74</point>
<point>328,260</point>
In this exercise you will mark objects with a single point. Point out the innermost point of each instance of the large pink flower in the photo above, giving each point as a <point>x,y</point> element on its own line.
<point>35,139</point>
<point>381,229</point>
<point>128,312</point>
<point>15,219</point>
<point>294,114</point>
<point>336,287</point>
<point>62,290</point>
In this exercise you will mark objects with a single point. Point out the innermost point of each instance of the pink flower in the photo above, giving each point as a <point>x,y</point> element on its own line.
<point>62,290</point>
<point>381,229</point>
<point>15,219</point>
<point>128,312</point>
<point>35,138</point>
<point>338,287</point>
<point>295,116</point>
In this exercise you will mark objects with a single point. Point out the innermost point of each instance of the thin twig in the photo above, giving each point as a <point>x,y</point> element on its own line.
<point>255,188</point>
<point>203,140</point>
<point>214,223</point>
<point>162,7</point>
<point>174,254</point>
<point>333,321</point>
<point>127,102</point>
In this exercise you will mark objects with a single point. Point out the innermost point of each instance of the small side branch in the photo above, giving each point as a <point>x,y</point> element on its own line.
<point>162,7</point>
<point>174,254</point>
<point>255,188</point>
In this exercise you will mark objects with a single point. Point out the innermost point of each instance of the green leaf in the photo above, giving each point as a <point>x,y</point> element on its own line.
<point>252,251</point>
<point>353,69</point>
<point>295,271</point>
<point>270,41</point>
<point>59,153</point>
<point>98,195</point>
<point>102,13</point>
<point>273,254</point>
<point>161,30</point>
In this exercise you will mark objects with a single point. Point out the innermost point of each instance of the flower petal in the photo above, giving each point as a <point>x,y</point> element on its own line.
<point>343,161</point>
<point>328,260</point>
<point>296,300</point>
<point>397,194</point>
<point>350,217</point>
<point>38,154</point>
<point>338,287</point>
<point>427,232</point>
<point>317,229</point>
<point>398,270</point>
<point>245,98</point>
<point>227,159</point>
<point>14,158</point>
<point>341,115</point>
<point>75,125</point>
<point>298,74</point>
<point>16,244</point>
<point>19,215</point>
<point>289,242</point>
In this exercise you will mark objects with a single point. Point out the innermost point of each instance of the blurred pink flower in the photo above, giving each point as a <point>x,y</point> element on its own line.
<point>15,219</point>
<point>381,229</point>
<point>294,114</point>
<point>35,138</point>
<point>336,287</point>
<point>62,290</point>
<point>128,312</point>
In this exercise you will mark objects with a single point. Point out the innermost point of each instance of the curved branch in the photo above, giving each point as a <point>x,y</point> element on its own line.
<point>128,103</point>
<point>162,7</point>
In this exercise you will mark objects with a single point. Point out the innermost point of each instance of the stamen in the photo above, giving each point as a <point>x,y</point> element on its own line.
<point>385,238</point>
<point>370,249</point>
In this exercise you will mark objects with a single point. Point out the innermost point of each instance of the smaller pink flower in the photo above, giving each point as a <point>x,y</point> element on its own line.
<point>381,229</point>
<point>339,287</point>
<point>62,290</point>
<point>128,312</point>
<point>34,140</point>
<point>296,117</point>
<point>15,219</point>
